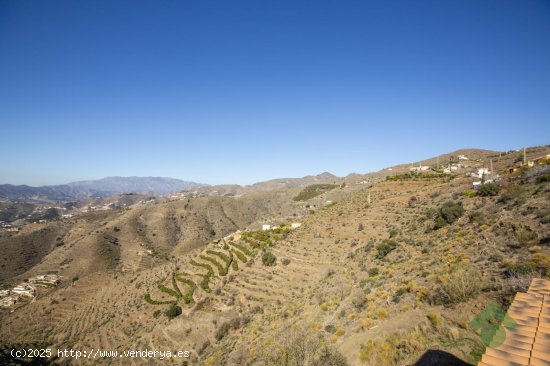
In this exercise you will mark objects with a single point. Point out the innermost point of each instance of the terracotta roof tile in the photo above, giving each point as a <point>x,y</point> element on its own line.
<point>528,342</point>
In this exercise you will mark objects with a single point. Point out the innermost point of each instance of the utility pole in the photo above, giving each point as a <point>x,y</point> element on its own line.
<point>368,198</point>
<point>524,157</point>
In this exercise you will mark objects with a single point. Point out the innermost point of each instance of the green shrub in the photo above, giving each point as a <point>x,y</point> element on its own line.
<point>488,189</point>
<point>477,217</point>
<point>374,271</point>
<point>385,247</point>
<point>470,193</point>
<point>285,262</point>
<point>450,211</point>
<point>269,259</point>
<point>398,295</point>
<point>514,194</point>
<point>520,268</point>
<point>330,329</point>
<point>435,319</point>
<point>543,178</point>
<point>525,236</point>
<point>173,311</point>
<point>440,222</point>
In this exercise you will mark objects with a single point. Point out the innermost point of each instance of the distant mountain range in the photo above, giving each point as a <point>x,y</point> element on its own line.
<point>82,190</point>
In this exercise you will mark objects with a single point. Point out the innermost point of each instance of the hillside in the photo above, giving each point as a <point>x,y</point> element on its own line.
<point>269,185</point>
<point>376,277</point>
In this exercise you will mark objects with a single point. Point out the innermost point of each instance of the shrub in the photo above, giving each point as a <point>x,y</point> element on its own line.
<point>514,194</point>
<point>382,313</point>
<point>476,217</point>
<point>385,247</point>
<point>374,271</point>
<point>301,347</point>
<point>435,319</point>
<point>526,236</point>
<point>460,283</point>
<point>222,331</point>
<point>543,178</point>
<point>330,329</point>
<point>450,211</point>
<point>358,298</point>
<point>539,264</point>
<point>269,259</point>
<point>285,262</point>
<point>440,222</point>
<point>173,311</point>
<point>398,295</point>
<point>520,268</point>
<point>488,189</point>
<point>377,353</point>
<point>470,193</point>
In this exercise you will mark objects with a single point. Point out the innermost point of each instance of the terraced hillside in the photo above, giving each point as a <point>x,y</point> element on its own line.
<point>388,273</point>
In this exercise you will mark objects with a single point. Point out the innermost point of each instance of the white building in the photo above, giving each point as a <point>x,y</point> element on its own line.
<point>462,157</point>
<point>266,227</point>
<point>421,168</point>
<point>295,225</point>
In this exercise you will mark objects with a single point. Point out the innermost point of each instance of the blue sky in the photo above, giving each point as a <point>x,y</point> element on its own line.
<point>243,91</point>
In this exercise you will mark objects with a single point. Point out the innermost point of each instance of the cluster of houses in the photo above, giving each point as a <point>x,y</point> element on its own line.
<point>449,169</point>
<point>27,290</point>
<point>294,225</point>
<point>8,227</point>
<point>485,176</point>
<point>539,160</point>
